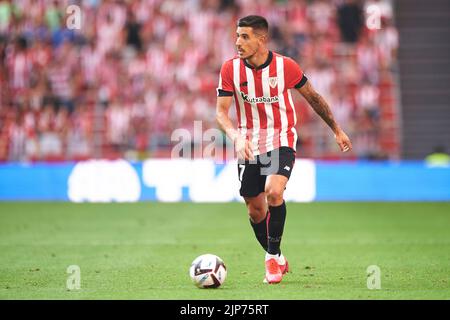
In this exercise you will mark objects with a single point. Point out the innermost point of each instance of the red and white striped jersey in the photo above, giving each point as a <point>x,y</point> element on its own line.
<point>264,105</point>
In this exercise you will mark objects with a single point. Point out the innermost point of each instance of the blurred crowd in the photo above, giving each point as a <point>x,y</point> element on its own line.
<point>137,70</point>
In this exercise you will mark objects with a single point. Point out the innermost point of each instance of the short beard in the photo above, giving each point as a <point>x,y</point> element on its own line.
<point>252,55</point>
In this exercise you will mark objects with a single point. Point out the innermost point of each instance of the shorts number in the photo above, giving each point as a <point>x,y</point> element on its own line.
<point>241,171</point>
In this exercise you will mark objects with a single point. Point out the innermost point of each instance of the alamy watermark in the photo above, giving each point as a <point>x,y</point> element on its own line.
<point>74,279</point>
<point>73,21</point>
<point>373,277</point>
<point>373,17</point>
<point>213,143</point>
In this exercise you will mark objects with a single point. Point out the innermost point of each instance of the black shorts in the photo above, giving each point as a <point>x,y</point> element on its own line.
<point>253,174</point>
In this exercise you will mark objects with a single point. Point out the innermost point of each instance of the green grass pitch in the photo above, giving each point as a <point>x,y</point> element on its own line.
<point>144,250</point>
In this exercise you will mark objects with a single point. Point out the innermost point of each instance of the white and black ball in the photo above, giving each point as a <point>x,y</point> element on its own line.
<point>208,271</point>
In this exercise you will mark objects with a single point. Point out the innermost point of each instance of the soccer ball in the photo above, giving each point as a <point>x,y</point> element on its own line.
<point>208,271</point>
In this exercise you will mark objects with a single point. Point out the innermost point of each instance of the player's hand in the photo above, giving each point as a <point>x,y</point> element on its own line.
<point>343,141</point>
<point>243,148</point>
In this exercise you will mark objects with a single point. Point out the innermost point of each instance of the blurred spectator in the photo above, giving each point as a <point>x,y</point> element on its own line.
<point>350,20</point>
<point>342,107</point>
<point>78,135</point>
<point>387,38</point>
<point>5,15</point>
<point>321,13</point>
<point>118,125</point>
<point>17,138</point>
<point>368,57</point>
<point>297,17</point>
<point>368,100</point>
<point>323,78</point>
<point>20,65</point>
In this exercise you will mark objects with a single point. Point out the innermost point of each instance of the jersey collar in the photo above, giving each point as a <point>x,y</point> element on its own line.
<point>265,64</point>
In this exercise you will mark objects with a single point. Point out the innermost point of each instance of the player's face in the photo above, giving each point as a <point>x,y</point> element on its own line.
<point>248,42</point>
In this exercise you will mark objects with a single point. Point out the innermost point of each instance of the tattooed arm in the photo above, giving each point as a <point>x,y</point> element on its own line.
<point>321,107</point>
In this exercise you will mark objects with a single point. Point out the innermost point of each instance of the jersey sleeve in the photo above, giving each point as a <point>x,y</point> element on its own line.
<point>225,87</point>
<point>295,78</point>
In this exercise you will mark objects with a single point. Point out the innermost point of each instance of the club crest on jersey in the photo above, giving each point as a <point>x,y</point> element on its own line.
<point>273,81</point>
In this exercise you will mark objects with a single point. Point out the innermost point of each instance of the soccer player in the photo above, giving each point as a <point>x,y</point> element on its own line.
<point>265,139</point>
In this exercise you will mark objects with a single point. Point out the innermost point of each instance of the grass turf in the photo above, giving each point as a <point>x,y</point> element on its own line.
<point>144,250</point>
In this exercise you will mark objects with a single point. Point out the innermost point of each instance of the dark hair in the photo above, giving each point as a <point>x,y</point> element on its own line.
<point>255,22</point>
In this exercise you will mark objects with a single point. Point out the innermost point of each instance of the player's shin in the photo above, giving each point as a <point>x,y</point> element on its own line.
<point>276,227</point>
<point>260,230</point>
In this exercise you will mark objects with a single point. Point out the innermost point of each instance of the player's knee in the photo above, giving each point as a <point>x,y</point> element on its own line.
<point>274,196</point>
<point>257,217</point>
<point>256,213</point>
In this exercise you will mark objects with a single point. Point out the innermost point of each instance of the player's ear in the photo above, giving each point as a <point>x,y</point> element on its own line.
<point>263,37</point>
<point>260,35</point>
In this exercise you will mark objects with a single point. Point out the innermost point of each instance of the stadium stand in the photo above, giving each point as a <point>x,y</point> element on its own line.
<point>424,60</point>
<point>137,70</point>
